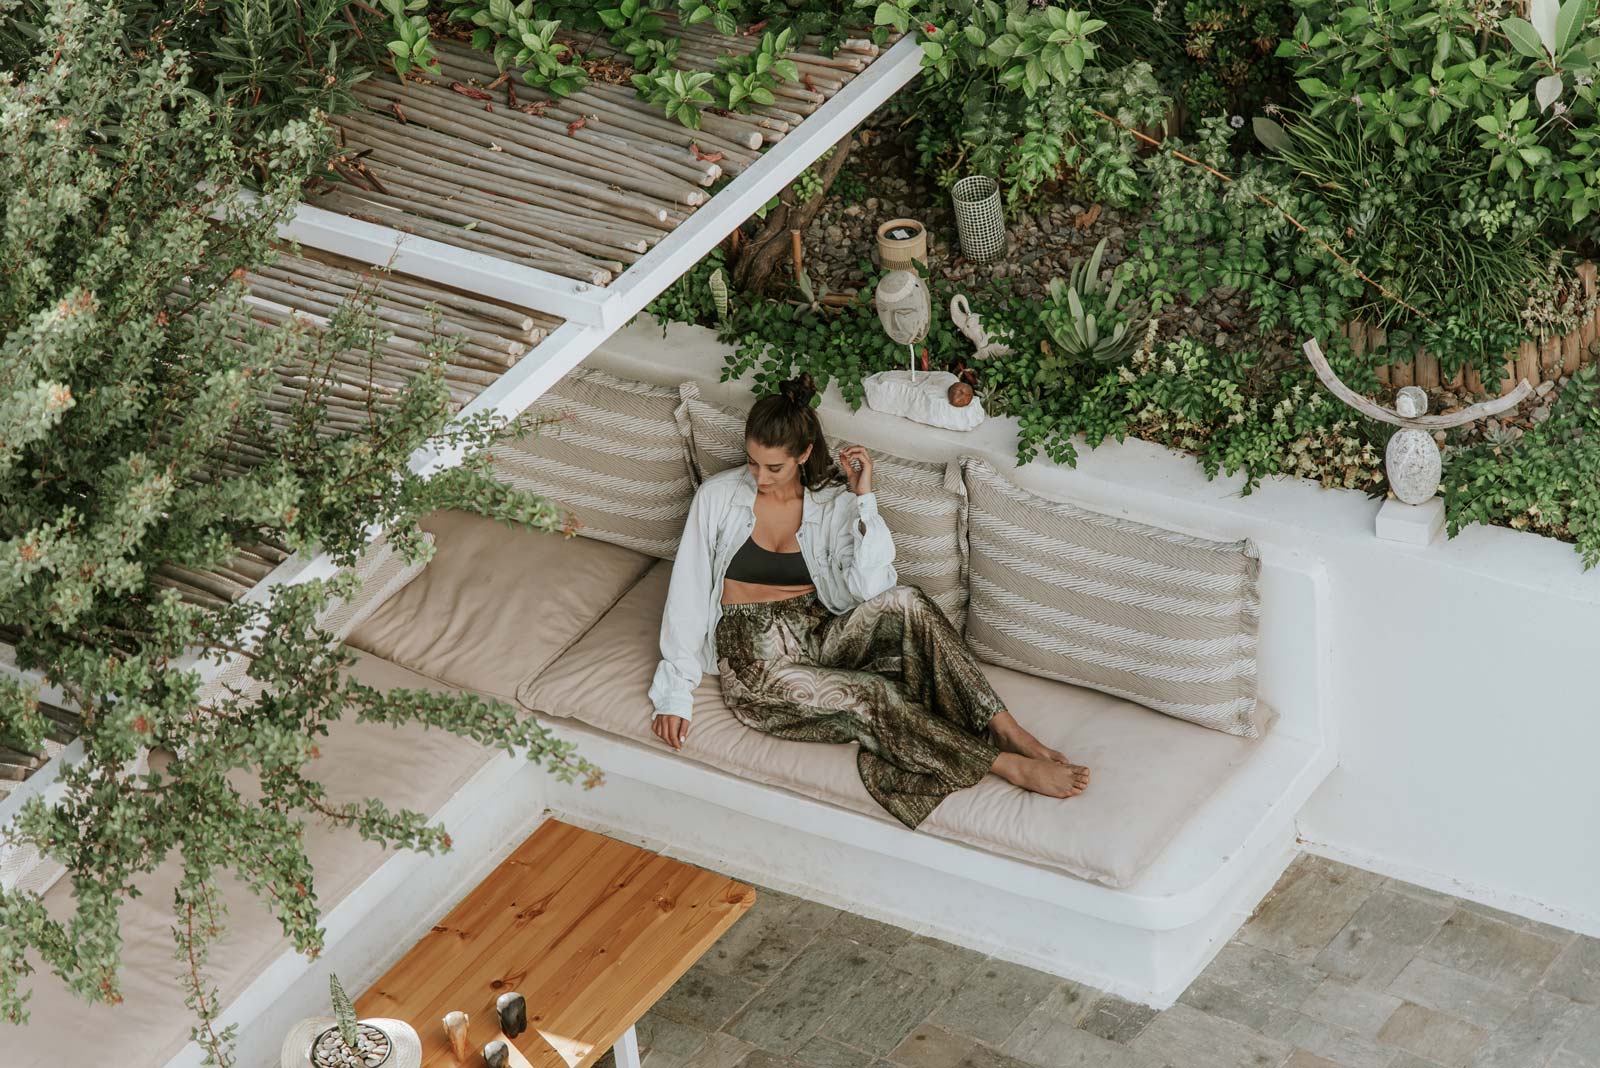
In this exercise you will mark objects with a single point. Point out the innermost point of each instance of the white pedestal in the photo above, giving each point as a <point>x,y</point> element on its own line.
<point>1414,524</point>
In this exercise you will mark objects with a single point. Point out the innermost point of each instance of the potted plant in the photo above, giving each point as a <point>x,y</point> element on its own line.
<point>342,1041</point>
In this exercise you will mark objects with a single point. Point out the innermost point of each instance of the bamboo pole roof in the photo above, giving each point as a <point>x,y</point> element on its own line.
<point>580,186</point>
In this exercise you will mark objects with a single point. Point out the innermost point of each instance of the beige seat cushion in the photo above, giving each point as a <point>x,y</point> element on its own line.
<point>496,604</point>
<point>1150,771</point>
<point>922,503</point>
<point>407,767</point>
<point>1151,615</point>
<point>612,455</point>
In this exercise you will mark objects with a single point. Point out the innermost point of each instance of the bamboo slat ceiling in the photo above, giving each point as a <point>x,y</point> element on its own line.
<point>580,186</point>
<point>307,288</point>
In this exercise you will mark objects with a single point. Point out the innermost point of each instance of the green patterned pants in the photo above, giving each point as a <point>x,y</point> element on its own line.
<point>891,674</point>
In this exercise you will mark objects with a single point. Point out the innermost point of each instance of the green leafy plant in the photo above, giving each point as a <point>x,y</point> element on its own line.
<point>749,79</point>
<point>1083,318</point>
<point>411,45</point>
<point>516,36</point>
<point>134,393</point>
<point>679,94</point>
<point>1547,482</point>
<point>636,28</point>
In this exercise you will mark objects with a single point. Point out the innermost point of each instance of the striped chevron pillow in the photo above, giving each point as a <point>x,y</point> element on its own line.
<point>1153,616</point>
<point>923,504</point>
<point>612,455</point>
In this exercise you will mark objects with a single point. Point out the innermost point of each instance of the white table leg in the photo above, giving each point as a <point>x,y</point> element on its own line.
<point>627,1049</point>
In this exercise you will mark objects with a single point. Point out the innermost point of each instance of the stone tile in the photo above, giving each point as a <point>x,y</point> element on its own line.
<point>1411,1060</point>
<point>885,1010</point>
<point>797,1000</point>
<point>647,1059</point>
<point>704,999</point>
<point>1582,1047</point>
<point>1541,1024</point>
<point>1055,1043</point>
<point>823,1052</point>
<point>1381,938</point>
<point>1497,952</point>
<point>1248,985</point>
<point>722,1050</point>
<point>1340,1003</point>
<point>871,933</point>
<point>1422,893</point>
<point>768,937</point>
<point>1063,1007</point>
<point>931,1046</point>
<point>1538,927</point>
<point>1116,1019</point>
<point>1301,1059</point>
<point>947,964</point>
<point>1340,1045</point>
<point>995,998</point>
<point>1311,902</point>
<point>981,1056</point>
<point>1458,994</point>
<point>659,1034</point>
<point>760,1058</point>
<point>1576,972</point>
<point>1185,1036</point>
<point>1434,1035</point>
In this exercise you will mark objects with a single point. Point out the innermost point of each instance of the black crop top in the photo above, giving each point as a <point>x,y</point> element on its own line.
<point>764,567</point>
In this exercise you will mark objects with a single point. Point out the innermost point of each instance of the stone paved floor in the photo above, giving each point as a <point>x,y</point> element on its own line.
<point>1338,968</point>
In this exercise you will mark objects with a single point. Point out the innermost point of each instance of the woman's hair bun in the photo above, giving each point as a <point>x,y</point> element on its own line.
<point>798,390</point>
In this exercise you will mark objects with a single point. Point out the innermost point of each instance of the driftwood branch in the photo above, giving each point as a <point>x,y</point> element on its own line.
<point>1361,404</point>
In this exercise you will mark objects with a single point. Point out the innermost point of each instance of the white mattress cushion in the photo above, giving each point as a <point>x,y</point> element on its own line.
<point>1150,771</point>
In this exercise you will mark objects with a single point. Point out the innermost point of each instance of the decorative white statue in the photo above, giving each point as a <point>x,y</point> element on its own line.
<point>906,312</point>
<point>968,323</point>
<point>1411,459</point>
<point>904,309</point>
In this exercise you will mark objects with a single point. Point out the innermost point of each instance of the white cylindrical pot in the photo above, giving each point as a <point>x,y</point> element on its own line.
<point>980,222</point>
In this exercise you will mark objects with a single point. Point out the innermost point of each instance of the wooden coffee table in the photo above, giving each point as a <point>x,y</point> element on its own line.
<point>590,930</point>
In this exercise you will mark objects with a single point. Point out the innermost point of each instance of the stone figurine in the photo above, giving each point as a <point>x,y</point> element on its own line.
<point>966,320</point>
<point>1412,458</point>
<point>455,1026</point>
<point>513,1010</point>
<point>497,1054</point>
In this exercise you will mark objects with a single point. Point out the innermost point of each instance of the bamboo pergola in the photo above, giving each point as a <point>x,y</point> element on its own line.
<point>580,186</point>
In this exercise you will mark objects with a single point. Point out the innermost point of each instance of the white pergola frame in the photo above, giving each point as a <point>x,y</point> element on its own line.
<point>591,314</point>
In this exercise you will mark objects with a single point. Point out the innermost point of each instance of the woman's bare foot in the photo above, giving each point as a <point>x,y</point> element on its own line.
<point>1042,776</point>
<point>1013,737</point>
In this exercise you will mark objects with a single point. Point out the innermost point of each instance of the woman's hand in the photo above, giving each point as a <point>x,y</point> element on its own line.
<point>671,729</point>
<point>860,480</point>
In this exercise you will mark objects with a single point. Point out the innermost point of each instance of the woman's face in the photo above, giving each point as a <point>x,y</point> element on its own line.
<point>772,465</point>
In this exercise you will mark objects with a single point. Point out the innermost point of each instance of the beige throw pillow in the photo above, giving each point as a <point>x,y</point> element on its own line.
<point>1150,615</point>
<point>612,455</point>
<point>923,504</point>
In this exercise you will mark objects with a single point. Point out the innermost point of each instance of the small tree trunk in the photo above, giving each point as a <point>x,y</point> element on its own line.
<point>756,259</point>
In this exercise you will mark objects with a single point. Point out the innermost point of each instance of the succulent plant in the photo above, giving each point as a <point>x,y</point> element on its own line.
<point>344,1013</point>
<point>1079,332</point>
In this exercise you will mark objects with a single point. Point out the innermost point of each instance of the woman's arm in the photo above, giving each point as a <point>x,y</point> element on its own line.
<point>684,621</point>
<point>867,555</point>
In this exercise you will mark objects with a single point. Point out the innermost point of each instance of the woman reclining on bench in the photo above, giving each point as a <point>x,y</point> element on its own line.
<point>813,639</point>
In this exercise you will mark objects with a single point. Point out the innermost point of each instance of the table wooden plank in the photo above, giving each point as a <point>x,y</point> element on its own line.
<point>590,930</point>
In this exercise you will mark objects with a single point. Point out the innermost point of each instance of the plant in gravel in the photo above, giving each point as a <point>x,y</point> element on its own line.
<point>135,435</point>
<point>1082,315</point>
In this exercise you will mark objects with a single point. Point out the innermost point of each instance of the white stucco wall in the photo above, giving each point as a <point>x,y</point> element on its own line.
<point>1467,701</point>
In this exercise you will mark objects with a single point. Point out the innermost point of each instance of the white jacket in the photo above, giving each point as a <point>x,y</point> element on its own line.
<point>847,566</point>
